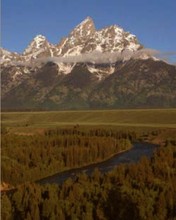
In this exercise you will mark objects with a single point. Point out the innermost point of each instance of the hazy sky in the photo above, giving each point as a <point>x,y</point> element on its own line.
<point>152,21</point>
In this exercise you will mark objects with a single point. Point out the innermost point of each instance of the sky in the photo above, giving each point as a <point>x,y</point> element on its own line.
<point>152,21</point>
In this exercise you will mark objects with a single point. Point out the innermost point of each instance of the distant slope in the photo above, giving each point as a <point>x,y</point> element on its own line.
<point>138,84</point>
<point>134,84</point>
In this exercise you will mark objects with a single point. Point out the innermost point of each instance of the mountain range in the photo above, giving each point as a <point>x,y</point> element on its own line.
<point>88,69</point>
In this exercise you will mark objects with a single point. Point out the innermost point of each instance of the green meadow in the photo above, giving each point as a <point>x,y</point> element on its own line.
<point>31,121</point>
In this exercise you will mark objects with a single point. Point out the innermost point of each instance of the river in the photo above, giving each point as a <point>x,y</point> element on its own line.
<point>131,156</point>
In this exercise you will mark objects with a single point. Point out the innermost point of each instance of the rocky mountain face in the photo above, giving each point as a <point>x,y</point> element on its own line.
<point>90,68</point>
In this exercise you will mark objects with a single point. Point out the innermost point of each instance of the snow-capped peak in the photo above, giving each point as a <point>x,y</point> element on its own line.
<point>87,20</point>
<point>37,43</point>
<point>39,38</point>
<point>84,29</point>
<point>83,39</point>
<point>39,48</point>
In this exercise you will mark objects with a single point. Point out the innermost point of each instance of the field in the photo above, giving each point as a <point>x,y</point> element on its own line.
<point>29,122</point>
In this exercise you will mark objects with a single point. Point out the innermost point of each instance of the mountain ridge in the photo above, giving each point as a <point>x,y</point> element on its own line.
<point>107,68</point>
<point>83,30</point>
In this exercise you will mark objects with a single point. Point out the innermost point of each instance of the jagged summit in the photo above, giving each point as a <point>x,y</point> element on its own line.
<point>83,39</point>
<point>39,47</point>
<point>39,38</point>
<point>37,43</point>
<point>88,21</point>
<point>84,29</point>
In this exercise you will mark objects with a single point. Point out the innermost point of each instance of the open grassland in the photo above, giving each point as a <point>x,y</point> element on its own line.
<point>31,121</point>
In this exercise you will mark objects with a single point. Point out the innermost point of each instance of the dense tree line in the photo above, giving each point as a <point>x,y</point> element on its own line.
<point>28,158</point>
<point>145,190</point>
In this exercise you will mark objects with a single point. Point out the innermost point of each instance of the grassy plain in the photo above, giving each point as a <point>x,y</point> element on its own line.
<point>30,122</point>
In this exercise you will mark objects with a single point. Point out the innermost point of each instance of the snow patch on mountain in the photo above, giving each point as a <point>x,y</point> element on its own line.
<point>7,57</point>
<point>73,51</point>
<point>65,68</point>
<point>101,73</point>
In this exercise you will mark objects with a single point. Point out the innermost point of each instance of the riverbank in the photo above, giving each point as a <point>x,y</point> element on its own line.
<point>7,187</point>
<point>86,165</point>
<point>132,155</point>
<point>126,156</point>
